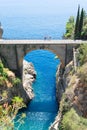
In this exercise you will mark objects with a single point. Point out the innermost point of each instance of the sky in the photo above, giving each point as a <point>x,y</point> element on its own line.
<point>40,6</point>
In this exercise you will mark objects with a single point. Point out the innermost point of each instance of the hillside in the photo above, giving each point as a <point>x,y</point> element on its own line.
<point>73,105</point>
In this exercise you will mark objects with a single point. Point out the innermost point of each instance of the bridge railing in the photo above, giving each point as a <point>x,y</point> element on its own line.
<point>2,41</point>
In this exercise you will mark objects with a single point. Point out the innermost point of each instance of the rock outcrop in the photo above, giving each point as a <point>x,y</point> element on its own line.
<point>11,86</point>
<point>29,75</point>
<point>60,86</point>
<point>76,91</point>
<point>62,79</point>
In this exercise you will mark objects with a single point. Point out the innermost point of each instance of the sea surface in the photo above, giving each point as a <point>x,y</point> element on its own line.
<point>33,27</point>
<point>43,109</point>
<point>36,19</point>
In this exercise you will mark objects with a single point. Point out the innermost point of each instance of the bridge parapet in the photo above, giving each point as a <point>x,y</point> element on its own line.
<point>2,41</point>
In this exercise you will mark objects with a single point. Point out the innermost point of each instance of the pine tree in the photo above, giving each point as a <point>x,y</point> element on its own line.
<point>76,33</point>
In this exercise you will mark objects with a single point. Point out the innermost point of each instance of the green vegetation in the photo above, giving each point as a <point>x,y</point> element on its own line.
<point>8,113</point>
<point>2,71</point>
<point>9,107</point>
<point>71,121</point>
<point>82,73</point>
<point>79,24</point>
<point>73,102</point>
<point>76,32</point>
<point>69,28</point>
<point>65,104</point>
<point>82,57</point>
<point>16,81</point>
<point>3,74</point>
<point>77,29</point>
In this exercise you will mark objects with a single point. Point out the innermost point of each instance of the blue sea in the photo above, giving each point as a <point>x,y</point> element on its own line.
<point>43,109</point>
<point>33,27</point>
<point>36,19</point>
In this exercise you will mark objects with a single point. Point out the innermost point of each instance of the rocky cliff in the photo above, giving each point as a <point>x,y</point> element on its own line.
<point>29,75</point>
<point>71,93</point>
<point>11,86</point>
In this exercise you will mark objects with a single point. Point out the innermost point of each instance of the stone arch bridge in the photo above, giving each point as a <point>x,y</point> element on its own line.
<point>13,51</point>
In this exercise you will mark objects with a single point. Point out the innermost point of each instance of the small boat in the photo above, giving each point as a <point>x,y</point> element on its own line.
<point>56,57</point>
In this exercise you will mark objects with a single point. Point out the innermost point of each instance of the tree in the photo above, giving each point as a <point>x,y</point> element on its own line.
<point>80,24</point>
<point>69,28</point>
<point>84,29</point>
<point>78,29</point>
<point>76,33</point>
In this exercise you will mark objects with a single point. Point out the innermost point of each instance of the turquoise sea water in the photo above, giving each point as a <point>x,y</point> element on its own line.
<point>43,108</point>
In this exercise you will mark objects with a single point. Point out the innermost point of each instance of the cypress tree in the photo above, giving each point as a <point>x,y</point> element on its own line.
<point>81,23</point>
<point>76,32</point>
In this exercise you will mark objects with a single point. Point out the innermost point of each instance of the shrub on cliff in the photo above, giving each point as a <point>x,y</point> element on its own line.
<point>2,72</point>
<point>82,73</point>
<point>7,77</point>
<point>11,92</point>
<point>1,68</point>
<point>8,113</point>
<point>82,57</point>
<point>16,81</point>
<point>71,121</point>
<point>65,104</point>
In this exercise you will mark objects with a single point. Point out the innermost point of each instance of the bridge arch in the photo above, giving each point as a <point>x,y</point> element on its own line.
<point>48,49</point>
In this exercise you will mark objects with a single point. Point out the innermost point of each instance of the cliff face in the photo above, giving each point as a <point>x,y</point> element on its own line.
<point>76,88</point>
<point>71,93</point>
<point>60,89</point>
<point>29,75</point>
<point>60,84</point>
<point>80,91</point>
<point>10,86</point>
<point>62,79</point>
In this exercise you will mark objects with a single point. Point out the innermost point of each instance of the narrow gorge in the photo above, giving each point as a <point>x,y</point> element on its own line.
<point>43,108</point>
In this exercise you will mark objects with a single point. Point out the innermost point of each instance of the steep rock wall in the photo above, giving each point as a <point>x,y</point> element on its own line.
<point>62,80</point>
<point>29,75</point>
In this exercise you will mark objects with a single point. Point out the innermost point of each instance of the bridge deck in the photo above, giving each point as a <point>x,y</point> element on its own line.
<point>2,41</point>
